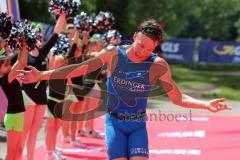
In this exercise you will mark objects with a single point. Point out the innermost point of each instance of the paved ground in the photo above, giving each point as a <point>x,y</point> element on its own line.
<point>156,106</point>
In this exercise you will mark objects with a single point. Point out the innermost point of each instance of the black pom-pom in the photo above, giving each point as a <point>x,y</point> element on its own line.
<point>103,22</point>
<point>5,25</point>
<point>62,45</point>
<point>70,7</point>
<point>108,20</point>
<point>83,22</point>
<point>14,40</point>
<point>23,28</point>
<point>95,25</point>
<point>33,37</point>
<point>111,35</point>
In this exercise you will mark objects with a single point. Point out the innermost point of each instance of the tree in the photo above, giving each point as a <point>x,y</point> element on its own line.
<point>174,14</point>
<point>216,19</point>
<point>35,10</point>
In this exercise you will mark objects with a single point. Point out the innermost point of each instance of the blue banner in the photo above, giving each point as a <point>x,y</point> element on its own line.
<point>219,52</point>
<point>178,50</point>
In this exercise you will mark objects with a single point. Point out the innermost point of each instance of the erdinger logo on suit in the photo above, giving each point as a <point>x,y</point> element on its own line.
<point>127,84</point>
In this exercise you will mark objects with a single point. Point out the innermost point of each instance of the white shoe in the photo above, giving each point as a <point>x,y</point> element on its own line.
<point>67,139</point>
<point>85,133</point>
<point>54,156</point>
<point>80,133</point>
<point>78,143</point>
<point>60,155</point>
<point>96,134</point>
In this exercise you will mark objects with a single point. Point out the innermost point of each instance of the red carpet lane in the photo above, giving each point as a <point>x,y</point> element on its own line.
<point>202,138</point>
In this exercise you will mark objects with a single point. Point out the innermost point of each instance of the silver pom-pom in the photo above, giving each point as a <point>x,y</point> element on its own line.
<point>70,7</point>
<point>62,45</point>
<point>22,29</point>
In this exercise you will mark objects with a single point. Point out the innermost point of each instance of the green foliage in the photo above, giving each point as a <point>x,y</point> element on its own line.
<point>216,19</point>
<point>35,10</point>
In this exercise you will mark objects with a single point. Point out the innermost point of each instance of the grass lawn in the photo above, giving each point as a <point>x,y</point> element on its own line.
<point>227,86</point>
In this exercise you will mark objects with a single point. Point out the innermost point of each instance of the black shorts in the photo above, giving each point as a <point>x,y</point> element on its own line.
<point>54,109</point>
